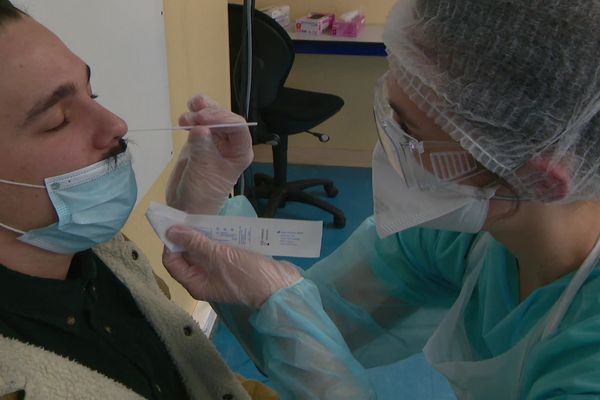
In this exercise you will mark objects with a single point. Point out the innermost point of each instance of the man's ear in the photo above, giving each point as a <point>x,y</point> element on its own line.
<point>552,181</point>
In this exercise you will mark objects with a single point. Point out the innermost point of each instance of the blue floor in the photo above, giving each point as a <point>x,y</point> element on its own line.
<point>409,379</point>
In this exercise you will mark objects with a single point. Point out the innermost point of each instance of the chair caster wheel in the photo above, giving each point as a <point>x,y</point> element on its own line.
<point>339,222</point>
<point>331,190</point>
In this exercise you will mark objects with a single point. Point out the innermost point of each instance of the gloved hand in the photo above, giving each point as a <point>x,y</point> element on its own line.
<point>215,272</point>
<point>211,161</point>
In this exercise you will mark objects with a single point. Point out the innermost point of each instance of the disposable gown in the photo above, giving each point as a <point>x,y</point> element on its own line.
<point>373,301</point>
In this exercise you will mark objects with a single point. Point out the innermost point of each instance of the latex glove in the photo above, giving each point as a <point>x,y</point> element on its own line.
<point>215,272</point>
<point>211,161</point>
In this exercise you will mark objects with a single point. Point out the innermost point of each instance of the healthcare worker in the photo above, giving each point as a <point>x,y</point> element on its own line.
<point>483,248</point>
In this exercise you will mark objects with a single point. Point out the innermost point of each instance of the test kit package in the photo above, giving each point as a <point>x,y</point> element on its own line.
<point>314,23</point>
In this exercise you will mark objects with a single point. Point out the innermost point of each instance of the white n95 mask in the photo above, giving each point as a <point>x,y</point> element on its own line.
<point>398,207</point>
<point>92,204</point>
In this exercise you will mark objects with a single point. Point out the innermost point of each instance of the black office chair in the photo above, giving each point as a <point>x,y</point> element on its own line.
<point>280,111</point>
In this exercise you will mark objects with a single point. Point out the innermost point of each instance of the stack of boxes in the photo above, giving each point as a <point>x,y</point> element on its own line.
<point>348,24</point>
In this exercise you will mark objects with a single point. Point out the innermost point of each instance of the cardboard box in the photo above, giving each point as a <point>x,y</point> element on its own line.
<point>314,23</point>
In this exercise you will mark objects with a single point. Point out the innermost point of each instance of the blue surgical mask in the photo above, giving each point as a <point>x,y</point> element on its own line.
<point>92,204</point>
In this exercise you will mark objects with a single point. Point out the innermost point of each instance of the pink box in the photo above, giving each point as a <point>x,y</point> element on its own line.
<point>351,29</point>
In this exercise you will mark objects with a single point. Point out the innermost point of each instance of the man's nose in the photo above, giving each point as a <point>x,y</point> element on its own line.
<point>110,130</point>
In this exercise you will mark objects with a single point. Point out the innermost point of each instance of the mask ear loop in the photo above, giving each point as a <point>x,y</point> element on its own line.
<point>15,230</point>
<point>28,185</point>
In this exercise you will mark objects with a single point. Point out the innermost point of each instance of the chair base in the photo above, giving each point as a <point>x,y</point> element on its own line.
<point>278,195</point>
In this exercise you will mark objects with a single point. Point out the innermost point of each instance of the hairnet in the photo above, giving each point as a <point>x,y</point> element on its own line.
<point>511,80</point>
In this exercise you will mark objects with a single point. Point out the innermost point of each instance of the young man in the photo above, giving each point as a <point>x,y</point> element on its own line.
<point>81,315</point>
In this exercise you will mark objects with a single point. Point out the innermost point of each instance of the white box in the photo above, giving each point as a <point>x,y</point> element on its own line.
<point>281,14</point>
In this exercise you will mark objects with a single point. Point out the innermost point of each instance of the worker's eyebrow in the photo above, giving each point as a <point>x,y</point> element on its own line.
<point>402,115</point>
<point>63,91</point>
<point>410,127</point>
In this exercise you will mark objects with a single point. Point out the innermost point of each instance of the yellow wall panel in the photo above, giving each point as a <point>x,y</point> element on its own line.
<point>198,60</point>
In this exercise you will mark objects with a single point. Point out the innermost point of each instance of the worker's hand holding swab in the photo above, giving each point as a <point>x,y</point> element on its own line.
<point>212,159</point>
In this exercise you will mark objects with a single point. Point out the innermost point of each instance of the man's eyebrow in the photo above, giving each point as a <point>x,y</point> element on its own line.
<point>60,93</point>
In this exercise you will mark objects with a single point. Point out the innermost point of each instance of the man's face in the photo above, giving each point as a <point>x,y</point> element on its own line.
<point>50,123</point>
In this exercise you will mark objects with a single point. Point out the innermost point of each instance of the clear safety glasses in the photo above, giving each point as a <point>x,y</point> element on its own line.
<point>424,164</point>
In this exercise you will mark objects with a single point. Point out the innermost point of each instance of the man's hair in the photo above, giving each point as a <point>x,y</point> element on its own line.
<point>8,12</point>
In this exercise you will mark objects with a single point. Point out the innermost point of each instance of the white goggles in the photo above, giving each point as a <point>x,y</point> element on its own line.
<point>427,164</point>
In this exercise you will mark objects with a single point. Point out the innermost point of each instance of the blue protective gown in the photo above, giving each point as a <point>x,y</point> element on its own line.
<point>373,302</point>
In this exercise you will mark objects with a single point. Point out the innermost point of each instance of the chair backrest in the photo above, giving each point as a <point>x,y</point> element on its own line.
<point>272,59</point>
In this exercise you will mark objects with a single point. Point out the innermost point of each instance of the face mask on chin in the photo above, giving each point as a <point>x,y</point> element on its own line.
<point>92,204</point>
<point>398,207</point>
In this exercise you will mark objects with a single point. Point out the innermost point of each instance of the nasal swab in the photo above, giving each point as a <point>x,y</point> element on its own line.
<point>188,127</point>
